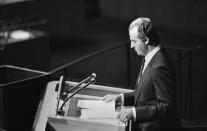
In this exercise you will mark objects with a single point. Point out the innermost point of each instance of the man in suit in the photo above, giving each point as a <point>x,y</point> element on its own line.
<point>154,99</point>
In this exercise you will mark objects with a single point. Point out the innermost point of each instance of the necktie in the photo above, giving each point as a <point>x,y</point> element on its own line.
<point>141,69</point>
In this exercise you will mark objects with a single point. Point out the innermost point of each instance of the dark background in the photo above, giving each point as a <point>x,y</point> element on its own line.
<point>76,28</point>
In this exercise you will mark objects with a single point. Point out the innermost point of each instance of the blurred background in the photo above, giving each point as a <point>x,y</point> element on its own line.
<point>79,37</point>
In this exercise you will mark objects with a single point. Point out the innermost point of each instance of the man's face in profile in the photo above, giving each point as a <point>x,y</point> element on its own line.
<point>137,43</point>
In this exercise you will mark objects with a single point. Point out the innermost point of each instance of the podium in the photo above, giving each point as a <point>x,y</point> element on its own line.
<point>48,120</point>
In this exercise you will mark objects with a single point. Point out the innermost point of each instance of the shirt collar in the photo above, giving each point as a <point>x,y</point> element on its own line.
<point>149,56</point>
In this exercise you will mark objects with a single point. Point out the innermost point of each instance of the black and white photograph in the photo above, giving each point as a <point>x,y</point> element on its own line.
<point>103,65</point>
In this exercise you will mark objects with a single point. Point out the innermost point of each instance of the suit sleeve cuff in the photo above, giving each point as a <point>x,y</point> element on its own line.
<point>134,113</point>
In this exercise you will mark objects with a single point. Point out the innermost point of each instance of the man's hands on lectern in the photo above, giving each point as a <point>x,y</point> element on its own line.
<point>125,114</point>
<point>111,97</point>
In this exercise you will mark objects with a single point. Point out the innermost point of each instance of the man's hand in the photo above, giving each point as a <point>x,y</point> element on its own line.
<point>125,114</point>
<point>111,97</point>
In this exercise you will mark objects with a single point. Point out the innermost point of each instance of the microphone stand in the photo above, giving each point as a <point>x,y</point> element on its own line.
<point>92,80</point>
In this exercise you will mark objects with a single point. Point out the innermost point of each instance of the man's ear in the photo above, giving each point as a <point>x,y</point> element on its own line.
<point>146,40</point>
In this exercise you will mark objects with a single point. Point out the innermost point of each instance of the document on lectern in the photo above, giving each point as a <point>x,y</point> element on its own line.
<point>97,109</point>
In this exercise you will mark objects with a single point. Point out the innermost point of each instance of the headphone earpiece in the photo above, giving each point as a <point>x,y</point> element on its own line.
<point>146,40</point>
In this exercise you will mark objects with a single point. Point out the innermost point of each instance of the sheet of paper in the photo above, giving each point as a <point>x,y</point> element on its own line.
<point>97,109</point>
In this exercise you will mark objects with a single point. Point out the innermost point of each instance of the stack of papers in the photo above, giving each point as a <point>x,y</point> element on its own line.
<point>97,109</point>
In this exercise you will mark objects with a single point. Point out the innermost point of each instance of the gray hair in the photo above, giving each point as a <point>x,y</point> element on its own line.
<point>145,28</point>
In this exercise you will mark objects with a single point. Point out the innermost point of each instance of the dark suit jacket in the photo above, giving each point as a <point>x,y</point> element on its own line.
<point>155,95</point>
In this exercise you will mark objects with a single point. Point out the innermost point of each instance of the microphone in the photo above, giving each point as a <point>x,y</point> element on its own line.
<point>89,80</point>
<point>93,75</point>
